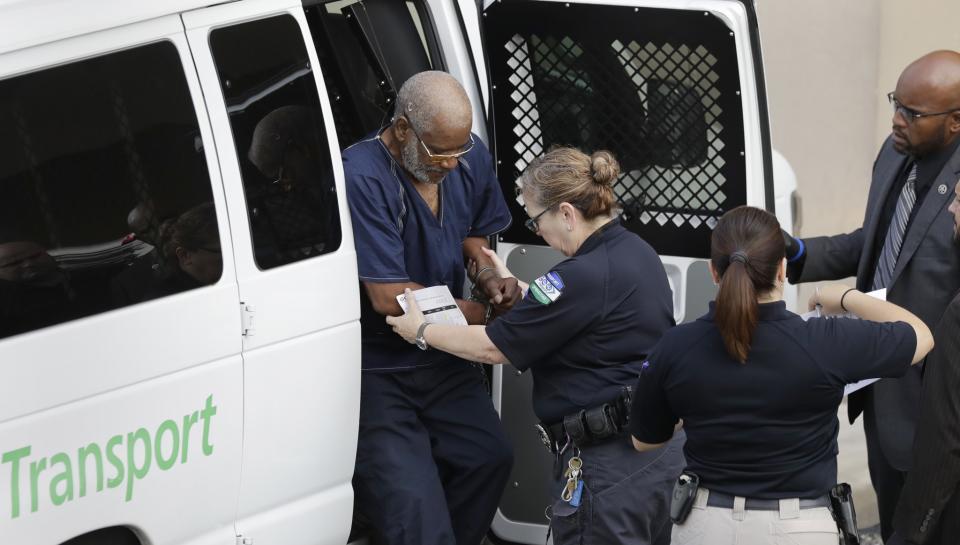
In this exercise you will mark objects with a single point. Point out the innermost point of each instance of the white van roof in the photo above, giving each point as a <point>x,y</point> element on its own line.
<point>25,23</point>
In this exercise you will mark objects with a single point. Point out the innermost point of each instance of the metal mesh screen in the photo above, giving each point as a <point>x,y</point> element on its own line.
<point>667,105</point>
<point>685,184</point>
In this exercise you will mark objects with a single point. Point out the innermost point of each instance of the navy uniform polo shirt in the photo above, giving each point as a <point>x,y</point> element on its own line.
<point>398,239</point>
<point>586,326</point>
<point>767,428</point>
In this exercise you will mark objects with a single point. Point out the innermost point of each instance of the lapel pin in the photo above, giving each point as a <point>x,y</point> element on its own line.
<point>942,189</point>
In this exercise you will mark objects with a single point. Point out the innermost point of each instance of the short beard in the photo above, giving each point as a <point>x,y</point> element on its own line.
<point>412,163</point>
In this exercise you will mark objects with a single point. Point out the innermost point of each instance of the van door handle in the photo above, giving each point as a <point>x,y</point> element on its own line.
<point>247,314</point>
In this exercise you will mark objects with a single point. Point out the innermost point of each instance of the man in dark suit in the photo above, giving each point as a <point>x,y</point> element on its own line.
<point>929,508</point>
<point>906,246</point>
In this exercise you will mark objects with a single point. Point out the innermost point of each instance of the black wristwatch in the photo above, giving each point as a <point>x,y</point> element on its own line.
<point>421,342</point>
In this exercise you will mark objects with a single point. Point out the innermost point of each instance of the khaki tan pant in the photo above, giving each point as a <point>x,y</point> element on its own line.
<point>788,526</point>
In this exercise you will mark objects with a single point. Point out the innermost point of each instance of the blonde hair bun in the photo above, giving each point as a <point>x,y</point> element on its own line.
<point>604,168</point>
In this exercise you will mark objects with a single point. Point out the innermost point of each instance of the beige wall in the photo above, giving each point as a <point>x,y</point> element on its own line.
<point>910,29</point>
<point>821,67</point>
<point>829,65</point>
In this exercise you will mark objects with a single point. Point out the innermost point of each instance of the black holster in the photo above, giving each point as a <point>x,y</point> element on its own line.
<point>683,496</point>
<point>844,513</point>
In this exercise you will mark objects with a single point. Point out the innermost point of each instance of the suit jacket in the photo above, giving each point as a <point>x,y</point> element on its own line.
<point>929,508</point>
<point>926,277</point>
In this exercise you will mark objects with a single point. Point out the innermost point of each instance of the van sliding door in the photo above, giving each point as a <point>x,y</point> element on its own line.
<point>296,269</point>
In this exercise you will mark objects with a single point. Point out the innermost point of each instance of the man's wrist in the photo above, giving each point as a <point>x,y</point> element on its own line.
<point>481,272</point>
<point>473,311</point>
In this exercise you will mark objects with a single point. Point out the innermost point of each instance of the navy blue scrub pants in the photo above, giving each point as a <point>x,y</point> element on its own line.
<point>432,457</point>
<point>626,495</point>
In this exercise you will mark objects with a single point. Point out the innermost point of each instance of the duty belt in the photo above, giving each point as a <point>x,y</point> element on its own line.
<point>588,426</point>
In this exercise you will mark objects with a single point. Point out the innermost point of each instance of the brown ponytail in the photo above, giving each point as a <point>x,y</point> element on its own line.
<point>746,249</point>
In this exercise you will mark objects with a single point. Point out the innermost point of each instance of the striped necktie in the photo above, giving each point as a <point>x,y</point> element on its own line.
<point>898,226</point>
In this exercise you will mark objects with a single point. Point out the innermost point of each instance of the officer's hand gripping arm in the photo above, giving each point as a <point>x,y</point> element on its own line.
<point>468,342</point>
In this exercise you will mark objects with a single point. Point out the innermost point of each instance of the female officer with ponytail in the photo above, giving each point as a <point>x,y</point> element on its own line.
<point>758,388</point>
<point>583,329</point>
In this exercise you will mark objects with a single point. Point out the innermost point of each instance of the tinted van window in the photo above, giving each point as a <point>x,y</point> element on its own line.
<point>279,134</point>
<point>105,199</point>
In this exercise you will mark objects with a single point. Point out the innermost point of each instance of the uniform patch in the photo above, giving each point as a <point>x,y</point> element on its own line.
<point>538,295</point>
<point>554,279</point>
<point>544,291</point>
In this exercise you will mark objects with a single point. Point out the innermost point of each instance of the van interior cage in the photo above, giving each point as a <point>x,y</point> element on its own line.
<point>657,87</point>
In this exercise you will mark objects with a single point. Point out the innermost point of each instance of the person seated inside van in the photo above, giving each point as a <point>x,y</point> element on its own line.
<point>128,286</point>
<point>292,212</point>
<point>191,248</point>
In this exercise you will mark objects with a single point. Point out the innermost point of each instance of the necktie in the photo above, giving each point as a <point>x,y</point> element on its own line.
<point>898,226</point>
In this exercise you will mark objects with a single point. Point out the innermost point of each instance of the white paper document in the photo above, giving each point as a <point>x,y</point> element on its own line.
<point>815,313</point>
<point>437,305</point>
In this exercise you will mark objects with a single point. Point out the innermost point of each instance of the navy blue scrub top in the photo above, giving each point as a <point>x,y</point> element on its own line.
<point>585,327</point>
<point>768,428</point>
<point>398,239</point>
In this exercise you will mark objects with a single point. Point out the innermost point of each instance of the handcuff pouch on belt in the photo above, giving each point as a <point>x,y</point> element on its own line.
<point>589,426</point>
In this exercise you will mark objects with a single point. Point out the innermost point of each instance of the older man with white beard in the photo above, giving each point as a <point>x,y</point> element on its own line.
<point>432,459</point>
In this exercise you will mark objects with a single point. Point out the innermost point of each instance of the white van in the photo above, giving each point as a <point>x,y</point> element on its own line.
<point>179,305</point>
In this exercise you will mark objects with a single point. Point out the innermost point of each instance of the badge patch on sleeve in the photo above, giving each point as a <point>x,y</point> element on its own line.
<point>547,288</point>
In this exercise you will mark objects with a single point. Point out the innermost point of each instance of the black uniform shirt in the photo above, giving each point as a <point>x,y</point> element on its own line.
<point>585,327</point>
<point>767,428</point>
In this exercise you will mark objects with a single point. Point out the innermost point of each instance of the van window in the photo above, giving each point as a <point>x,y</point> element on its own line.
<point>367,50</point>
<point>278,130</point>
<point>658,87</point>
<point>105,199</point>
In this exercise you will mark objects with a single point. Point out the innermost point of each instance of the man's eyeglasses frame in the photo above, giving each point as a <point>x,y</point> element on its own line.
<point>909,114</point>
<point>438,158</point>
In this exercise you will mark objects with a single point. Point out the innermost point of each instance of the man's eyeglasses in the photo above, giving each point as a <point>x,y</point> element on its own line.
<point>441,157</point>
<point>909,114</point>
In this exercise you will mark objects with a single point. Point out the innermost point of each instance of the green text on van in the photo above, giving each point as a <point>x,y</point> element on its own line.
<point>168,443</point>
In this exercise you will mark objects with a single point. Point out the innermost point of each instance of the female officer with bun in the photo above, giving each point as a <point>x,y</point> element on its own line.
<point>583,329</point>
<point>758,388</point>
